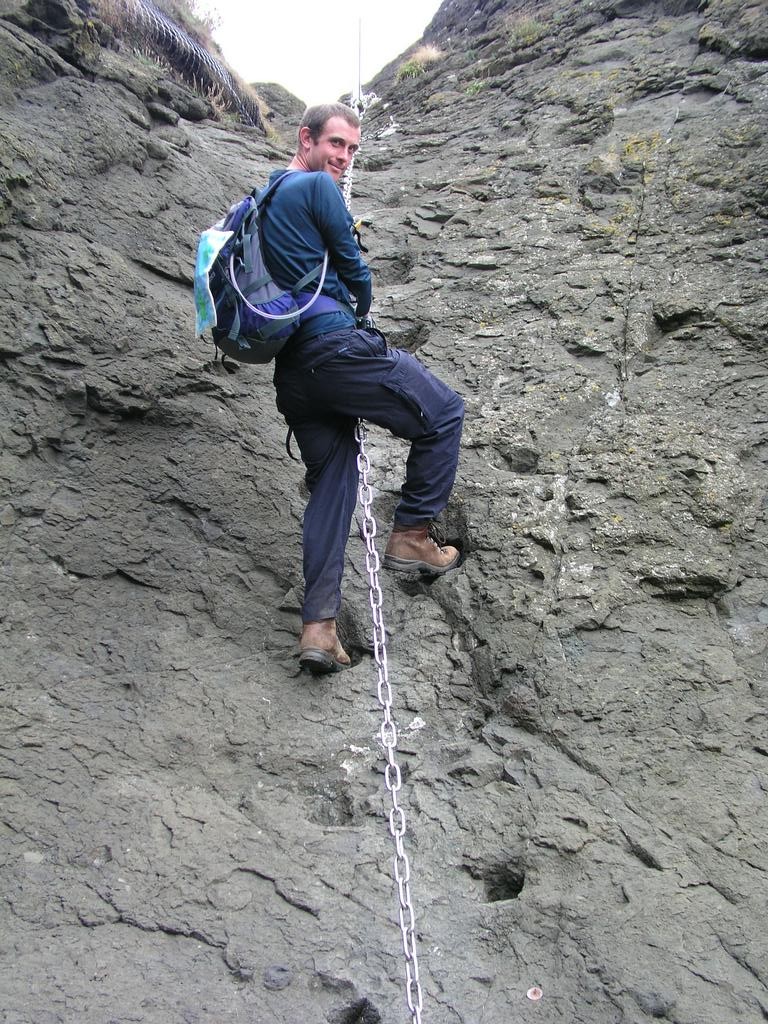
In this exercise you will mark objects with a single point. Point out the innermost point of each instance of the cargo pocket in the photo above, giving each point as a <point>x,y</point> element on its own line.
<point>422,392</point>
<point>369,343</point>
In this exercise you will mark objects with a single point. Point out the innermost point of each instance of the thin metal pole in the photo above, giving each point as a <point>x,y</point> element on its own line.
<point>359,59</point>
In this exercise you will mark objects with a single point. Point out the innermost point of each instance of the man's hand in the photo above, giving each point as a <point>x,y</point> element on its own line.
<point>365,323</point>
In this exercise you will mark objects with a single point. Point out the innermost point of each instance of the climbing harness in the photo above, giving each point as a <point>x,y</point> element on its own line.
<point>388,735</point>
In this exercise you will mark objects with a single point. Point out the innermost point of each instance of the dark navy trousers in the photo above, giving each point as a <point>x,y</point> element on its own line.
<point>324,385</point>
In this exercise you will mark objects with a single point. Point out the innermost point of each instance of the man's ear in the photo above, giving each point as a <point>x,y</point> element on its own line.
<point>305,136</point>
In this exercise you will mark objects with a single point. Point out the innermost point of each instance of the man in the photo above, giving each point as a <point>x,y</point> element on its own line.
<point>337,369</point>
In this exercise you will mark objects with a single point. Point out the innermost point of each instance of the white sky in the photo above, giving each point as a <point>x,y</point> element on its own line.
<point>311,47</point>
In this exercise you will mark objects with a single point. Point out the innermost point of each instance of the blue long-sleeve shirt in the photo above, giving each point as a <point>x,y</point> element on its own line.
<point>305,216</point>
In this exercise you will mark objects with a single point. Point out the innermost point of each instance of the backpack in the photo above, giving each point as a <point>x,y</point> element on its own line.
<point>250,315</point>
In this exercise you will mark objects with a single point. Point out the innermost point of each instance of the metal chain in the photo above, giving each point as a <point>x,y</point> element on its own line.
<point>359,101</point>
<point>401,866</point>
<point>346,184</point>
<point>388,735</point>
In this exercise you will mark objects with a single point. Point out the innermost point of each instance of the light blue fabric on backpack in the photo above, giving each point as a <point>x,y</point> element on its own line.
<point>209,246</point>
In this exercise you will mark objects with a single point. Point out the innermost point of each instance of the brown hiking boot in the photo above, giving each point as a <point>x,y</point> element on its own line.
<point>413,549</point>
<point>319,648</point>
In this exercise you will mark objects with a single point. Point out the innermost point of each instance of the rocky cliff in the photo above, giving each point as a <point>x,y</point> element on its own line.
<point>566,217</point>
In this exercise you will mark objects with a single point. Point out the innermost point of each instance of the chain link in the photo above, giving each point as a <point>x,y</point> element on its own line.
<point>388,736</point>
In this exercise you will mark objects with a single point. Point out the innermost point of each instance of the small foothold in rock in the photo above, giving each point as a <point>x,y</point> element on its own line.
<point>534,993</point>
<point>278,976</point>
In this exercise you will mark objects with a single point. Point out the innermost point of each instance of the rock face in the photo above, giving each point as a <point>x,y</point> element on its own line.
<point>567,220</point>
<point>284,108</point>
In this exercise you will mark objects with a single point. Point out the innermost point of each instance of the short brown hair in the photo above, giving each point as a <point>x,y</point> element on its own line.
<point>316,118</point>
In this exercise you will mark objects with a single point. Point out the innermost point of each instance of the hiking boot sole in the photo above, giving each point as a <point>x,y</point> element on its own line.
<point>416,565</point>
<point>319,662</point>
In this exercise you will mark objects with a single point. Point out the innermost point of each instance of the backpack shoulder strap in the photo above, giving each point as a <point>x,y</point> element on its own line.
<point>263,196</point>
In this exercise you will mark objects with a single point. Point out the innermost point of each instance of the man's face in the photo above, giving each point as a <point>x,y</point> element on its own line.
<point>334,149</point>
